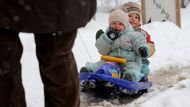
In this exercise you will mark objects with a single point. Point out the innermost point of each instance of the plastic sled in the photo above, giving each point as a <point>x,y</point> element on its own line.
<point>107,83</point>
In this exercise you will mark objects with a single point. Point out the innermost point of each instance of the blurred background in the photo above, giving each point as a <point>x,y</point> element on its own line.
<point>107,5</point>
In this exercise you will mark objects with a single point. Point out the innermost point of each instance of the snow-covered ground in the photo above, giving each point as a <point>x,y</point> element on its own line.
<point>170,65</point>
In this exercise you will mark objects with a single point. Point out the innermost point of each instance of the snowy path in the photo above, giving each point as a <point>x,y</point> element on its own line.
<point>171,86</point>
<point>163,80</point>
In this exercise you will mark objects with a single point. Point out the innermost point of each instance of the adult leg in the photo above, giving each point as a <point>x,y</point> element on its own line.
<point>11,88</point>
<point>58,69</point>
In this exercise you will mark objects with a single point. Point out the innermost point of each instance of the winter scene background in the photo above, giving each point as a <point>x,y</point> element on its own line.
<point>170,65</point>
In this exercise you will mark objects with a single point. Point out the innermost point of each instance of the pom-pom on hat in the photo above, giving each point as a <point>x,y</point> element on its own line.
<point>131,7</point>
<point>119,15</point>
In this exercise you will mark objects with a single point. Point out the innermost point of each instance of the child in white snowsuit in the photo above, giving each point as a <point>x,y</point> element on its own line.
<point>121,41</point>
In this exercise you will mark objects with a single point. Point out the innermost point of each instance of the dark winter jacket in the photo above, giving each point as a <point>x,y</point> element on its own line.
<point>45,16</point>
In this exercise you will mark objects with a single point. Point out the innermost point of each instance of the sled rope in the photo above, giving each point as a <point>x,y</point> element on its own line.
<point>85,47</point>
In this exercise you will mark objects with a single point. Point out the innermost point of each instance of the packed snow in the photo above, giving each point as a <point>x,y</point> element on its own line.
<point>170,65</point>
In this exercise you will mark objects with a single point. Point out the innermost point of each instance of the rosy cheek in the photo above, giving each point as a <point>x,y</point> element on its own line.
<point>112,26</point>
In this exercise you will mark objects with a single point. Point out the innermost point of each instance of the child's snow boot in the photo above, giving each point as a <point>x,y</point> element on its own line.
<point>128,77</point>
<point>84,69</point>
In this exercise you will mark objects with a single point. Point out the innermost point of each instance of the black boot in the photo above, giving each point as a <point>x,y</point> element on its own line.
<point>84,69</point>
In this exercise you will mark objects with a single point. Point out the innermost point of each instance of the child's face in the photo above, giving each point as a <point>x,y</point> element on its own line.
<point>118,26</point>
<point>134,19</point>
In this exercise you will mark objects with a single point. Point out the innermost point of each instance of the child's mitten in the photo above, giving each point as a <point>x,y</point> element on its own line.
<point>143,52</point>
<point>113,34</point>
<point>98,33</point>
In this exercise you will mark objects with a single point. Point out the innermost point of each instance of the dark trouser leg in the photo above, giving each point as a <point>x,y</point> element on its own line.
<point>11,89</point>
<point>58,69</point>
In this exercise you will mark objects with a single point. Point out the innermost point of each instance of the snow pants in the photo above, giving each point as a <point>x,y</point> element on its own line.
<point>57,68</point>
<point>131,68</point>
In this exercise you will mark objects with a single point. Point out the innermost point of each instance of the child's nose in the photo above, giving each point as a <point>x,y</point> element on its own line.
<point>133,18</point>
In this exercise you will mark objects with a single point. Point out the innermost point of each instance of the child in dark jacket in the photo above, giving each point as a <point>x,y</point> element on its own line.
<point>120,40</point>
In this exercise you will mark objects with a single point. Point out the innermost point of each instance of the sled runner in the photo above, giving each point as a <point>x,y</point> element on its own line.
<point>107,83</point>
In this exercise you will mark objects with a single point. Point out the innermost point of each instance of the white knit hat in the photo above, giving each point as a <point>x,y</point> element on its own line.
<point>131,7</point>
<point>119,15</point>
